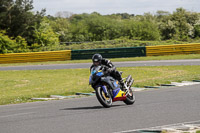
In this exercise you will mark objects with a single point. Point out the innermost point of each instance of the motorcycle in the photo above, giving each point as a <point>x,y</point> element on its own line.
<point>108,89</point>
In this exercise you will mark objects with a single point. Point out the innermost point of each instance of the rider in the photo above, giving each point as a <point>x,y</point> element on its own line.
<point>99,60</point>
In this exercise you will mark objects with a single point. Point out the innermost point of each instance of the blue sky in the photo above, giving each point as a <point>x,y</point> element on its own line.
<point>114,6</point>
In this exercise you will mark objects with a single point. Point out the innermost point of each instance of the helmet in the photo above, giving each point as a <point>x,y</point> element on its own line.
<point>96,58</point>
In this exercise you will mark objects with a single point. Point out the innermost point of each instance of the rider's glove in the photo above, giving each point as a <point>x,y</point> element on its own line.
<point>106,69</point>
<point>109,70</point>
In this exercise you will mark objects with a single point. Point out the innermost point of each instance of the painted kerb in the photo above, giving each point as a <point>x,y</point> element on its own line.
<point>35,57</point>
<point>109,53</point>
<point>173,49</point>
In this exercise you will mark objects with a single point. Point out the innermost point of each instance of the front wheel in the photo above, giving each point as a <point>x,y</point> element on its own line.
<point>105,101</point>
<point>130,97</point>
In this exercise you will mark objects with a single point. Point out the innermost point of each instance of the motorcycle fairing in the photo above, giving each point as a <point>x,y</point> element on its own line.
<point>115,83</point>
<point>99,73</point>
<point>116,92</point>
<point>118,95</point>
<point>95,72</point>
<point>111,82</point>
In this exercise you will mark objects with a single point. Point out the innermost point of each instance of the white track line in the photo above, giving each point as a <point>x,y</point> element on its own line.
<point>17,114</point>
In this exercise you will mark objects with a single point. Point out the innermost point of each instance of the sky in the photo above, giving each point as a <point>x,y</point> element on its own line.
<point>104,7</point>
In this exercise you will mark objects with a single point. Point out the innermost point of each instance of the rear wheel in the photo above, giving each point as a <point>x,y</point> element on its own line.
<point>106,101</point>
<point>130,97</point>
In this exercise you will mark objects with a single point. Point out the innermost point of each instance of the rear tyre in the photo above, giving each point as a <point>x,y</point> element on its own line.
<point>105,101</point>
<point>130,98</point>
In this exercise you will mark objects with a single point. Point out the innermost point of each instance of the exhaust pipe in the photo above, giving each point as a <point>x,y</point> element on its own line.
<point>131,82</point>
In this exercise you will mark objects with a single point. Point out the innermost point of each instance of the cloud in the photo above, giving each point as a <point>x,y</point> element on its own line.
<point>115,6</point>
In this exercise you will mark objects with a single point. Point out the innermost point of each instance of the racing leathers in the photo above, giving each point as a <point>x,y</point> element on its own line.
<point>111,69</point>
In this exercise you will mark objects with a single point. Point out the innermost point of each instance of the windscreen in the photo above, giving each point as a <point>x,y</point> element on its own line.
<point>95,69</point>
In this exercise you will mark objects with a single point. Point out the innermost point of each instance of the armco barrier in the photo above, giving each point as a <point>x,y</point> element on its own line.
<point>109,52</point>
<point>173,49</point>
<point>35,57</point>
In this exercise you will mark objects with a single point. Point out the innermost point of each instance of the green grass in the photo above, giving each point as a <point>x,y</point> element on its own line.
<point>170,57</point>
<point>20,86</point>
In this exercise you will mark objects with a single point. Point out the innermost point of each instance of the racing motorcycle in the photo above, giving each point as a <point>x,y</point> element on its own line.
<point>108,89</point>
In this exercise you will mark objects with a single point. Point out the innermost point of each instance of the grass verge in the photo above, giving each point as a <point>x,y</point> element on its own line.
<point>20,86</point>
<point>169,57</point>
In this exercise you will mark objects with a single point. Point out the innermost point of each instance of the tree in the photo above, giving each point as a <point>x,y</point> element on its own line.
<point>10,45</point>
<point>6,44</point>
<point>168,29</point>
<point>162,15</point>
<point>142,30</point>
<point>183,28</point>
<point>6,7</point>
<point>44,35</point>
<point>102,28</point>
<point>197,30</point>
<point>78,17</point>
<point>179,25</point>
<point>21,45</point>
<point>17,18</point>
<point>64,14</point>
<point>61,27</point>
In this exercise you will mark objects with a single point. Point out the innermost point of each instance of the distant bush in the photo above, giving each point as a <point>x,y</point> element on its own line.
<point>21,45</point>
<point>44,35</point>
<point>110,44</point>
<point>7,45</point>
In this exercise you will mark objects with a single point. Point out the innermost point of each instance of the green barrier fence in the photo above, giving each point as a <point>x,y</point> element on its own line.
<point>109,53</point>
<point>106,53</point>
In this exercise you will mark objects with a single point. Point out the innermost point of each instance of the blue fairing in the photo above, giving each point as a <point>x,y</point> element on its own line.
<point>90,79</point>
<point>99,74</point>
<point>115,92</point>
<point>93,72</point>
<point>115,83</point>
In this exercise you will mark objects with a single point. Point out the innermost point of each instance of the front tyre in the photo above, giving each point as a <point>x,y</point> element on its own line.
<point>130,97</point>
<point>105,101</point>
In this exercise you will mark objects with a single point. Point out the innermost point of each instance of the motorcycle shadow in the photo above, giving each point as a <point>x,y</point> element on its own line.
<point>90,108</point>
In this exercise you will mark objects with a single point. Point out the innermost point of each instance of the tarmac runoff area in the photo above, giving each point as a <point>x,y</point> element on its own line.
<point>186,127</point>
<point>173,84</point>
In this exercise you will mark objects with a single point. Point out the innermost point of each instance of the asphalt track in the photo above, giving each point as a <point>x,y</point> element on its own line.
<point>117,64</point>
<point>85,115</point>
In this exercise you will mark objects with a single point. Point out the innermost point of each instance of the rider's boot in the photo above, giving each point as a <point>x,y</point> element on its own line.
<point>119,78</point>
<point>122,84</point>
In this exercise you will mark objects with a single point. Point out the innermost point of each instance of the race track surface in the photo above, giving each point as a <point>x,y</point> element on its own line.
<point>152,108</point>
<point>85,115</point>
<point>117,64</point>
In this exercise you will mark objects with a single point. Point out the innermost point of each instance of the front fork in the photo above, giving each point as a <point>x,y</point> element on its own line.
<point>127,87</point>
<point>104,89</point>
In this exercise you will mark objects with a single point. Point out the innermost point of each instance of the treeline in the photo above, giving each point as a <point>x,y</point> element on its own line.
<point>22,30</point>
